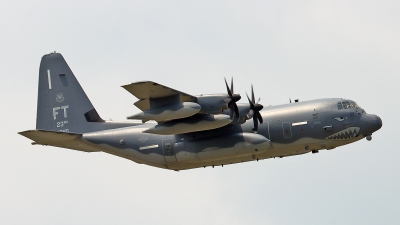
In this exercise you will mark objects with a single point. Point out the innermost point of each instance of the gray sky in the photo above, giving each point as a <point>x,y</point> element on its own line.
<point>297,49</point>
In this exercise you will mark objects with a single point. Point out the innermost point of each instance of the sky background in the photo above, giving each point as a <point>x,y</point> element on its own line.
<point>299,49</point>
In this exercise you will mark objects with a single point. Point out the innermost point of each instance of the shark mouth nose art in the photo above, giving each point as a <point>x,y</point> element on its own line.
<point>345,134</point>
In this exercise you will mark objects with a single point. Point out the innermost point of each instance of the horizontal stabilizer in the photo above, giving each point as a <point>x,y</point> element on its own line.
<point>59,139</point>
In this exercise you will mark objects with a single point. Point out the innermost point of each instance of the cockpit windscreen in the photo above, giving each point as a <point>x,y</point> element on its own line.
<point>347,104</point>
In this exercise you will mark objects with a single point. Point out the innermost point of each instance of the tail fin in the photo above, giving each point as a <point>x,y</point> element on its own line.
<point>62,103</point>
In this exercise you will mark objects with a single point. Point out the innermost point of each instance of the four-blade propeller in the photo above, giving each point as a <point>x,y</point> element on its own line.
<point>255,109</point>
<point>233,99</point>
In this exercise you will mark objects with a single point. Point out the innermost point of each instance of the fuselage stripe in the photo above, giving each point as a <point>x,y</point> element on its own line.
<point>299,123</point>
<point>148,147</point>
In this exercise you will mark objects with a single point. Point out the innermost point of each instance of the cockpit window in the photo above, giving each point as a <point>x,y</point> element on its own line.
<point>339,105</point>
<point>354,104</point>
<point>347,104</point>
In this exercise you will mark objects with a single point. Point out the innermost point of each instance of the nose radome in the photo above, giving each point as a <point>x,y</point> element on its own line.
<point>370,123</point>
<point>376,124</point>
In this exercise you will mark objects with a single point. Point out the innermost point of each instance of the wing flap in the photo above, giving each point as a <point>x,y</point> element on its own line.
<point>59,139</point>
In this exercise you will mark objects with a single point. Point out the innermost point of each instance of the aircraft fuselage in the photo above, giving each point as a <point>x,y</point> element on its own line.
<point>290,129</point>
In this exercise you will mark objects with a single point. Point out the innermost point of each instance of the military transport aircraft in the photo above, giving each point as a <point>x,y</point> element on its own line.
<point>191,131</point>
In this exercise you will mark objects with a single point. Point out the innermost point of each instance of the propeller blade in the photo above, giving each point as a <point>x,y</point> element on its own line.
<point>255,124</point>
<point>233,98</point>
<point>259,117</point>
<point>231,112</point>
<point>251,103</point>
<point>255,109</point>
<point>252,95</point>
<point>236,111</point>
<point>227,88</point>
<point>232,85</point>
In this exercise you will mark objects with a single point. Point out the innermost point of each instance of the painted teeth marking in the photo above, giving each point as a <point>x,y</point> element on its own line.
<point>345,134</point>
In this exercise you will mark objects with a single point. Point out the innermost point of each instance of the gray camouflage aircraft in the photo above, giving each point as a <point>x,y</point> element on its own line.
<point>191,131</point>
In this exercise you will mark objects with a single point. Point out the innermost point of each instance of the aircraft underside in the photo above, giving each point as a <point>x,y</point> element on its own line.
<point>224,156</point>
<point>165,152</point>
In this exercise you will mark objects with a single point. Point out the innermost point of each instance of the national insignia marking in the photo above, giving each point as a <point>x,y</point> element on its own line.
<point>143,139</point>
<point>60,97</point>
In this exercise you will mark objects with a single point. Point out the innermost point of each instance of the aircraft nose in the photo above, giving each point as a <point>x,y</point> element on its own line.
<point>371,123</point>
<point>376,124</point>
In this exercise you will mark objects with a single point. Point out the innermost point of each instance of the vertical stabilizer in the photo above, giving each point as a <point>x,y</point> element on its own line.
<point>62,103</point>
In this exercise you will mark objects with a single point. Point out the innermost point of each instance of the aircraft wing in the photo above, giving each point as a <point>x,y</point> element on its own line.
<point>177,112</point>
<point>149,90</point>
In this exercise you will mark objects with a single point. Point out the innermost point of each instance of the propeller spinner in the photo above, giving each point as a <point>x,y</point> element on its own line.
<point>255,109</point>
<point>233,99</point>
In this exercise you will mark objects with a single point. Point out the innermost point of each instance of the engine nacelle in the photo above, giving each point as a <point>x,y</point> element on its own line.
<point>168,112</point>
<point>243,112</point>
<point>192,124</point>
<point>213,104</point>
